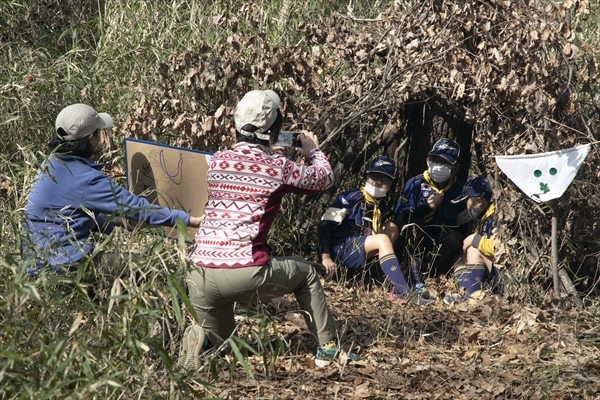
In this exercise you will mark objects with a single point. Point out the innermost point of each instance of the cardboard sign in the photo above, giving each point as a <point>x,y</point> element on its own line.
<point>169,176</point>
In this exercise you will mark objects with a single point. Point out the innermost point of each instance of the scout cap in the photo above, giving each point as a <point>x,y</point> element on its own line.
<point>382,165</point>
<point>448,149</point>
<point>475,187</point>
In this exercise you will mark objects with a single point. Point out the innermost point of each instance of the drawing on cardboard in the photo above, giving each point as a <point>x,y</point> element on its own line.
<point>169,176</point>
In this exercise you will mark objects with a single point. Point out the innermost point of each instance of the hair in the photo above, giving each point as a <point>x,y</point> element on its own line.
<point>79,148</point>
<point>273,130</point>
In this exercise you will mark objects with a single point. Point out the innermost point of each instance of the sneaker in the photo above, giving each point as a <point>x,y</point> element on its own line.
<point>453,299</point>
<point>421,289</point>
<point>411,296</point>
<point>191,345</point>
<point>328,352</point>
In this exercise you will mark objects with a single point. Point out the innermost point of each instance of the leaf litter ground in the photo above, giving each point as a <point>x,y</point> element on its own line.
<point>488,347</point>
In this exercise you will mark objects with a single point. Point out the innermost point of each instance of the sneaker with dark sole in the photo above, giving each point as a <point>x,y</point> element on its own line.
<point>191,346</point>
<point>411,296</point>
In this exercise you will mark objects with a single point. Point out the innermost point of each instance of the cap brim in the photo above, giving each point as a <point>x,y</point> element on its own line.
<point>459,199</point>
<point>381,173</point>
<point>445,157</point>
<point>107,121</point>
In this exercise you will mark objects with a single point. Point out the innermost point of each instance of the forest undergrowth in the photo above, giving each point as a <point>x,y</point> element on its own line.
<point>521,75</point>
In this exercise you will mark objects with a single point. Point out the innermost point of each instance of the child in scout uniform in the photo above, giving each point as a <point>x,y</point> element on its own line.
<point>351,231</point>
<point>432,226</point>
<point>477,267</point>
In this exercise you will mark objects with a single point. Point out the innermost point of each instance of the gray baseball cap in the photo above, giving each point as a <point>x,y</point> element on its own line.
<point>80,120</point>
<point>258,108</point>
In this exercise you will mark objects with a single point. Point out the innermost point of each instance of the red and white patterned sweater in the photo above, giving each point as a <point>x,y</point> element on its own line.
<point>245,188</point>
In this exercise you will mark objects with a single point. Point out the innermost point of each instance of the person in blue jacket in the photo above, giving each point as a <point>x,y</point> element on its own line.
<point>71,198</point>
<point>476,269</point>
<point>351,231</point>
<point>432,226</point>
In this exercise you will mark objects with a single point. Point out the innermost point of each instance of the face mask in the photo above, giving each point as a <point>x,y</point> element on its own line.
<point>474,213</point>
<point>374,191</point>
<point>439,172</point>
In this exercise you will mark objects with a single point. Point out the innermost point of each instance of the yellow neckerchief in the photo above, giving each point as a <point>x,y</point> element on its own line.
<point>433,185</point>
<point>376,211</point>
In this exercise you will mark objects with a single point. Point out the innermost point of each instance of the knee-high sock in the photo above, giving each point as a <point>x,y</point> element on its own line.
<point>470,277</point>
<point>391,268</point>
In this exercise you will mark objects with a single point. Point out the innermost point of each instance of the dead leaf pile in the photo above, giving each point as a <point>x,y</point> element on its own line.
<point>519,74</point>
<point>487,348</point>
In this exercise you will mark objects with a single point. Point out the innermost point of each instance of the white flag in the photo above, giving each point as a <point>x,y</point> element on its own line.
<point>544,176</point>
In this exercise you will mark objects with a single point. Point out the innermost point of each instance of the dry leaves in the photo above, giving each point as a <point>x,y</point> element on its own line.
<point>519,72</point>
<point>438,351</point>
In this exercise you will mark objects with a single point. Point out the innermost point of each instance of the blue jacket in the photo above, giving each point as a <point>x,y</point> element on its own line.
<point>413,204</point>
<point>357,221</point>
<point>70,198</point>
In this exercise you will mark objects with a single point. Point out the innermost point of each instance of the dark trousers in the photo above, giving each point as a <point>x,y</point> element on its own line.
<point>428,251</point>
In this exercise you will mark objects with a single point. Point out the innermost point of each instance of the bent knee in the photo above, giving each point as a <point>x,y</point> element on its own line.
<point>473,255</point>
<point>381,236</point>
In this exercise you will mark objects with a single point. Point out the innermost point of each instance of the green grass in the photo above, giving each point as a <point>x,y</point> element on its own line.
<point>118,337</point>
<point>114,337</point>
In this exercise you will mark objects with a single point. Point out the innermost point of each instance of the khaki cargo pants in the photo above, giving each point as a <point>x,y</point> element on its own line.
<point>212,292</point>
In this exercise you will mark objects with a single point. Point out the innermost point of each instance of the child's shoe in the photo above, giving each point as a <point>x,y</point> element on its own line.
<point>411,296</point>
<point>453,299</point>
<point>421,289</point>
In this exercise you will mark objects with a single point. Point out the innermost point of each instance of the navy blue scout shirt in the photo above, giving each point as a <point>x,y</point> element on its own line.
<point>485,228</point>
<point>69,200</point>
<point>414,200</point>
<point>358,220</point>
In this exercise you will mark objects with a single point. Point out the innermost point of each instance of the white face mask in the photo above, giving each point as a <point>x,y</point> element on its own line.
<point>374,191</point>
<point>439,172</point>
<point>474,213</point>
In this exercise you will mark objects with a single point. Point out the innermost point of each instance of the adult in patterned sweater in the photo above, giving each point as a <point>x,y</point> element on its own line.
<point>232,258</point>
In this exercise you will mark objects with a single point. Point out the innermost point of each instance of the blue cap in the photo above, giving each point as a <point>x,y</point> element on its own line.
<point>475,187</point>
<point>382,165</point>
<point>448,149</point>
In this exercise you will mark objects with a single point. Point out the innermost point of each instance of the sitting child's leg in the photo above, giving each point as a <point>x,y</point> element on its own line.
<point>382,246</point>
<point>470,277</point>
<point>391,268</point>
<point>473,273</point>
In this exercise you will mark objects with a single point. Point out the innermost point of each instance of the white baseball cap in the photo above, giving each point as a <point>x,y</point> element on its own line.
<point>80,120</point>
<point>257,108</point>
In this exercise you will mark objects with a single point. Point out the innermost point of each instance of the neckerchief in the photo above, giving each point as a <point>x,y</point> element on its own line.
<point>432,184</point>
<point>376,212</point>
<point>428,217</point>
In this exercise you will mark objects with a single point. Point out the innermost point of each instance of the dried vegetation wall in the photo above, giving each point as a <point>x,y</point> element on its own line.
<point>501,77</point>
